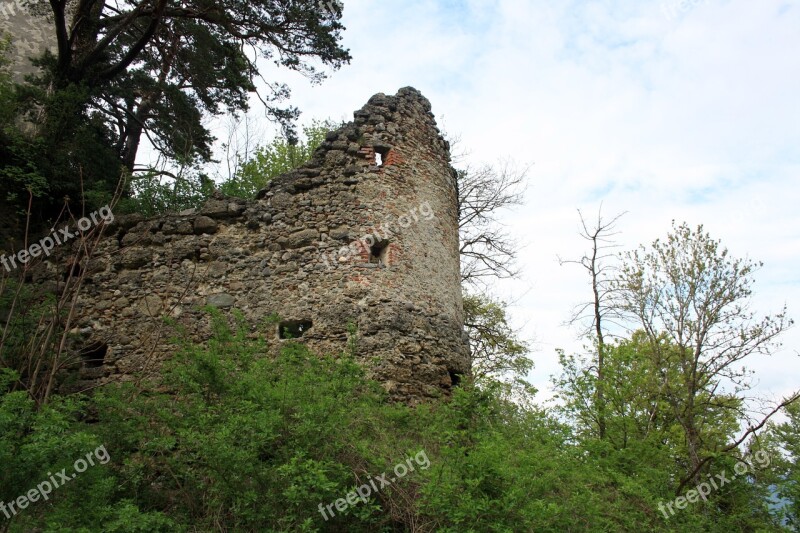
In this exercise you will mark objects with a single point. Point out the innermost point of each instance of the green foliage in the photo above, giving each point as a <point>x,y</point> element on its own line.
<point>276,158</point>
<point>36,444</point>
<point>783,445</point>
<point>258,443</point>
<point>498,355</point>
<point>156,194</point>
<point>153,78</point>
<point>235,439</point>
<point>255,443</point>
<point>635,407</point>
<point>689,290</point>
<point>645,438</point>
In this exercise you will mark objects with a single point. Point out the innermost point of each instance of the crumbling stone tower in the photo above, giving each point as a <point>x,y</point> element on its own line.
<point>366,233</point>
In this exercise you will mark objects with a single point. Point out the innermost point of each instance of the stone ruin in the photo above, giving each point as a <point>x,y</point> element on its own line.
<point>358,249</point>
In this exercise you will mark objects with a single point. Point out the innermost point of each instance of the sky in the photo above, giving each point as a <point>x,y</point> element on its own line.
<point>685,110</point>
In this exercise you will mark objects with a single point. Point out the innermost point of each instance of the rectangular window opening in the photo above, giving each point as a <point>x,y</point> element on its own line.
<point>293,329</point>
<point>381,155</point>
<point>94,355</point>
<point>377,252</point>
<point>455,377</point>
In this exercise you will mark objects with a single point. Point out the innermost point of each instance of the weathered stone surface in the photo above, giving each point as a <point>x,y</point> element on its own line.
<point>302,238</point>
<point>181,227</point>
<point>204,224</point>
<point>221,300</point>
<point>339,241</point>
<point>133,258</point>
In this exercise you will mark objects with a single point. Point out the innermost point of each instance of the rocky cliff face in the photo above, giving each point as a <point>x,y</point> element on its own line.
<point>364,235</point>
<point>29,24</point>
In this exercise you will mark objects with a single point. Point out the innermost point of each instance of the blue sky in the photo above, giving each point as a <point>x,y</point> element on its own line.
<point>665,112</point>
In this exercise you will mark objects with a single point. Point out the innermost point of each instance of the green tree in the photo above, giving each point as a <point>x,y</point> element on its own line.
<point>638,411</point>
<point>783,445</point>
<point>499,357</point>
<point>645,441</point>
<point>157,192</point>
<point>634,410</point>
<point>278,157</point>
<point>157,68</point>
<point>35,443</point>
<point>688,289</point>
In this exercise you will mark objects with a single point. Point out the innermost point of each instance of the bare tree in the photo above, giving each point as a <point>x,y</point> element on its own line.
<point>487,251</point>
<point>240,145</point>
<point>598,265</point>
<point>485,246</point>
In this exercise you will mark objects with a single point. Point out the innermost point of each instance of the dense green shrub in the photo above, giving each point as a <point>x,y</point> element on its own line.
<point>236,440</point>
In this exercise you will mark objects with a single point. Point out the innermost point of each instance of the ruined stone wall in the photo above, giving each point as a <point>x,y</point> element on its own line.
<point>348,237</point>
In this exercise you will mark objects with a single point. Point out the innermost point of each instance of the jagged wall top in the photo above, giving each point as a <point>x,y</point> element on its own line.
<point>384,124</point>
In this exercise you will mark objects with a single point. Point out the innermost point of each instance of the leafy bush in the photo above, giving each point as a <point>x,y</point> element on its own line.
<point>274,159</point>
<point>234,439</point>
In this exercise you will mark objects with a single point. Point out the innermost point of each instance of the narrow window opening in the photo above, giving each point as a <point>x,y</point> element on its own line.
<point>293,329</point>
<point>73,270</point>
<point>94,355</point>
<point>455,378</point>
<point>381,155</point>
<point>377,252</point>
